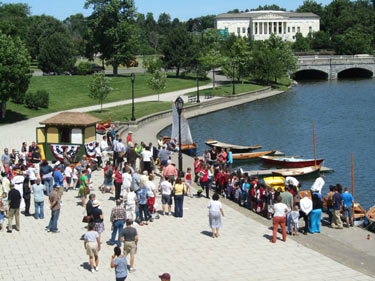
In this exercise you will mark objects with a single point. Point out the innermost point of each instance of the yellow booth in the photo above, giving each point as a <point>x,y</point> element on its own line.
<point>75,131</point>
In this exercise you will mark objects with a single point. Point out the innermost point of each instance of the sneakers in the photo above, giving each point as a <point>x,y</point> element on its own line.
<point>92,270</point>
<point>170,213</point>
<point>97,268</point>
<point>163,213</point>
<point>132,269</point>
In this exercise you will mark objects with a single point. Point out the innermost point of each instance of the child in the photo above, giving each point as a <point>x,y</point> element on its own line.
<point>68,177</point>
<point>295,217</point>
<point>2,211</point>
<point>188,182</point>
<point>5,203</point>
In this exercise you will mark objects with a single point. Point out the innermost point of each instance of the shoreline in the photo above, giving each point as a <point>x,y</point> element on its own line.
<point>348,247</point>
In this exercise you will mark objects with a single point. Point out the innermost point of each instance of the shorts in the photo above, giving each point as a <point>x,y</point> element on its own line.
<point>99,227</point>
<point>1,221</point>
<point>68,180</point>
<point>130,248</point>
<point>92,249</point>
<point>108,181</point>
<point>295,224</point>
<point>166,199</point>
<point>61,190</point>
<point>348,212</point>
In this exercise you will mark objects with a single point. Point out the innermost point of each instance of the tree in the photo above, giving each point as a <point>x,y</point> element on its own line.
<point>100,88</point>
<point>301,44</point>
<point>164,23</point>
<point>320,40</point>
<point>352,42</point>
<point>56,53</point>
<point>210,61</point>
<point>158,82</point>
<point>13,19</point>
<point>310,6</point>
<point>273,7</point>
<point>179,51</point>
<point>78,28</point>
<point>114,30</point>
<point>14,69</point>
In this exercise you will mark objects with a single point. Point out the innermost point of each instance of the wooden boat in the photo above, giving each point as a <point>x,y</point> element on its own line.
<point>358,211</point>
<point>251,155</point>
<point>234,148</point>
<point>370,215</point>
<point>290,162</point>
<point>189,149</point>
<point>297,171</point>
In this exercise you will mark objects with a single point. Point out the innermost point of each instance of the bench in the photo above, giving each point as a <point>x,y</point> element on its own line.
<point>208,95</point>
<point>192,98</point>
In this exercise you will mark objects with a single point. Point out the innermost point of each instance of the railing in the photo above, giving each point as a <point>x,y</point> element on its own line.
<point>324,60</point>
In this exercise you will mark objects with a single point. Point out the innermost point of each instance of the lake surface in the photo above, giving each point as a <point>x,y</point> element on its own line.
<point>344,116</point>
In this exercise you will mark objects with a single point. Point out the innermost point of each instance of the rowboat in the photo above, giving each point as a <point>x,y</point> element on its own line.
<point>101,127</point>
<point>251,155</point>
<point>234,148</point>
<point>370,215</point>
<point>290,162</point>
<point>297,171</point>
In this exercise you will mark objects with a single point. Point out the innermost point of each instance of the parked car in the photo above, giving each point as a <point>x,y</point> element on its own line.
<point>96,68</point>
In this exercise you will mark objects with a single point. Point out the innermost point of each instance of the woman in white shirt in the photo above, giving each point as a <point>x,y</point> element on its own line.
<point>279,218</point>
<point>216,211</point>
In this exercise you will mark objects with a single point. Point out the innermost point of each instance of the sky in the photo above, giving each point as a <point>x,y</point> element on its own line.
<point>181,9</point>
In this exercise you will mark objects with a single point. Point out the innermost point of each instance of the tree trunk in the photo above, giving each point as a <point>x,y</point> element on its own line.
<point>115,69</point>
<point>178,71</point>
<point>3,108</point>
<point>101,106</point>
<point>213,77</point>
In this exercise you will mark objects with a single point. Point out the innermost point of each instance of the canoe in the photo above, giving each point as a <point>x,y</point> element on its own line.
<point>290,162</point>
<point>251,155</point>
<point>296,171</point>
<point>234,148</point>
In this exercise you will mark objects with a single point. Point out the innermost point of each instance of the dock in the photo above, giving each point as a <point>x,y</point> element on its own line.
<point>270,172</point>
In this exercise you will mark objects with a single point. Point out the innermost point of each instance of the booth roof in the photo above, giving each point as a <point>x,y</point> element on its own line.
<point>71,119</point>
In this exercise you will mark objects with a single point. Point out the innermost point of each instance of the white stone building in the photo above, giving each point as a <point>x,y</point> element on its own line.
<point>260,24</point>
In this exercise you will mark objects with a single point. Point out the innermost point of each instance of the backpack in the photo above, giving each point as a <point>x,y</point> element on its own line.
<point>109,173</point>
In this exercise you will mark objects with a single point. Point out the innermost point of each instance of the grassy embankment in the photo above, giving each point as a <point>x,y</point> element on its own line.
<point>68,92</point>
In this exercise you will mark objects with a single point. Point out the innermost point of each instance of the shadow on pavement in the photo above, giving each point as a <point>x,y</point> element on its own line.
<point>207,233</point>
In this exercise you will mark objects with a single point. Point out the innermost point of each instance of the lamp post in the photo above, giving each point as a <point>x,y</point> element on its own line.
<point>179,105</point>
<point>198,84</point>
<point>133,79</point>
<point>234,89</point>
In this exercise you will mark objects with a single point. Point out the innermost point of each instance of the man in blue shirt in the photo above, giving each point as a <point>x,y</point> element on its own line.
<point>348,203</point>
<point>143,208</point>
<point>59,179</point>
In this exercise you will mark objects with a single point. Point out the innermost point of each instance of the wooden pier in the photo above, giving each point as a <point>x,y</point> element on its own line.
<point>271,172</point>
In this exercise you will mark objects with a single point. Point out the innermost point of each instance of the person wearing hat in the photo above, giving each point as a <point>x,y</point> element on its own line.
<point>165,277</point>
<point>129,137</point>
<point>55,207</point>
<point>98,217</point>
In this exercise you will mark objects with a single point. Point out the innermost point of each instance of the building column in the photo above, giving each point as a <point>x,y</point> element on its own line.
<point>265,28</point>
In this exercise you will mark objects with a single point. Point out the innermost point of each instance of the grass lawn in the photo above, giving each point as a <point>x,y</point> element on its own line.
<point>68,92</point>
<point>227,90</point>
<point>123,113</point>
<point>282,83</point>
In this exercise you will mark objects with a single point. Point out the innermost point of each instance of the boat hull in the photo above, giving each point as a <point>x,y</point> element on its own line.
<point>251,155</point>
<point>290,164</point>
<point>189,149</point>
<point>297,172</point>
<point>233,148</point>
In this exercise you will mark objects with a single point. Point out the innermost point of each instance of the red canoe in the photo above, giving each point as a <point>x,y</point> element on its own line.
<point>290,162</point>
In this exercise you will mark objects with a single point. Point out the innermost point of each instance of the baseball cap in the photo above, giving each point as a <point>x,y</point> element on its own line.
<point>165,276</point>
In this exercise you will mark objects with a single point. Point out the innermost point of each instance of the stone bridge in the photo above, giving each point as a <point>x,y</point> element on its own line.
<point>332,66</point>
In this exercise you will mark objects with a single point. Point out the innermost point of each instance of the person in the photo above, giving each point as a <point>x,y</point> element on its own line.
<point>68,172</point>
<point>84,190</point>
<point>329,197</point>
<point>129,137</point>
<point>89,207</point>
<point>170,171</point>
<point>306,206</point>
<point>46,174</point>
<point>188,181</point>
<point>120,148</point>
<point>337,207</point>
<point>348,203</point>
<point>117,177</point>
<point>5,158</point>
<point>179,191</point>
<point>130,239</point>
<point>166,190</point>
<point>165,277</point>
<point>164,154</point>
<point>27,197</point>
<point>287,199</point>
<point>147,159</point>
<point>118,217</point>
<point>215,213</point>
<point>204,181</point>
<point>118,261</point>
<point>92,245</point>
<point>5,183</point>
<point>59,179</point>
<point>130,203</point>
<point>98,155</point>
<point>318,184</point>
<point>279,218</point>
<point>98,217</point>
<point>38,190</point>
<point>206,156</point>
<point>2,214</point>
<point>14,201</point>
<point>126,182</point>
<point>294,220</point>
<point>108,177</point>
<point>18,181</point>
<point>151,195</point>
<point>4,198</point>
<point>55,207</point>
<point>316,214</point>
<point>142,205</point>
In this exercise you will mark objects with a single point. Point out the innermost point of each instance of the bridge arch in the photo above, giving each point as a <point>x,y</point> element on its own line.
<point>355,72</point>
<point>308,74</point>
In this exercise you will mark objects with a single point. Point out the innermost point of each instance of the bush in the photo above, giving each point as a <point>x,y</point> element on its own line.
<point>84,68</point>
<point>19,98</point>
<point>37,100</point>
<point>152,64</point>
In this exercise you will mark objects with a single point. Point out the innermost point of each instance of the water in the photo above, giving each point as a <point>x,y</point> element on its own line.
<point>344,117</point>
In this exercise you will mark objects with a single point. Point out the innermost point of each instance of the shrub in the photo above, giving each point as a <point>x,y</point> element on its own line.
<point>19,98</point>
<point>37,100</point>
<point>84,68</point>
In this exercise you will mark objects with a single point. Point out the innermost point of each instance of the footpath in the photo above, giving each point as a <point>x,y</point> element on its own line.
<point>182,247</point>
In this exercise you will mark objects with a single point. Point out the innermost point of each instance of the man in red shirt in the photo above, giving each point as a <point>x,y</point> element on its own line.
<point>170,171</point>
<point>129,137</point>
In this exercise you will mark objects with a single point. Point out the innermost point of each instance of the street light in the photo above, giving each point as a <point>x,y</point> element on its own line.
<point>133,79</point>
<point>198,84</point>
<point>234,89</point>
<point>179,105</point>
